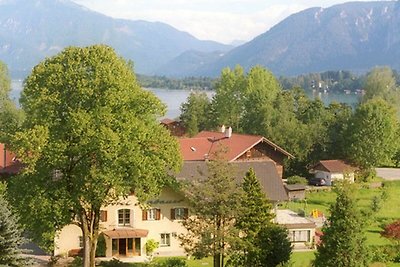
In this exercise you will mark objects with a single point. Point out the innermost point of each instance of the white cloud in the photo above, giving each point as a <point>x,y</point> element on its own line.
<point>219,20</point>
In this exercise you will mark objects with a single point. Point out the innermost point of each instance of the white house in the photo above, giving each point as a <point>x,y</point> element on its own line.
<point>301,230</point>
<point>329,171</point>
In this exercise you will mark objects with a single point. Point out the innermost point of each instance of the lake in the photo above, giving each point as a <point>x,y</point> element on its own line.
<point>174,98</point>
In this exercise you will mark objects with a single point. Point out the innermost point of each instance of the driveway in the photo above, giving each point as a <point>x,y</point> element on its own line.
<point>389,174</point>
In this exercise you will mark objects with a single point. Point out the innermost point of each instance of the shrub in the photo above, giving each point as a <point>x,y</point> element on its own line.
<point>101,246</point>
<point>113,263</point>
<point>365,176</point>
<point>172,262</point>
<point>77,262</point>
<point>151,246</point>
<point>297,180</point>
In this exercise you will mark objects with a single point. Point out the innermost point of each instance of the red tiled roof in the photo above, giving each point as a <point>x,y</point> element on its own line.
<point>205,144</point>
<point>334,166</point>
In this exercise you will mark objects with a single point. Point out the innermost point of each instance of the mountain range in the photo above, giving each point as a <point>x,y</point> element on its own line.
<point>353,36</point>
<point>31,30</point>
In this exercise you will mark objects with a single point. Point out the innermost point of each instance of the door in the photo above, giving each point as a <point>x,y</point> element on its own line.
<point>137,247</point>
<point>122,246</point>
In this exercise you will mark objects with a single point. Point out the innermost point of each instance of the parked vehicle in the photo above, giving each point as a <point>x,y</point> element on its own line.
<point>317,181</point>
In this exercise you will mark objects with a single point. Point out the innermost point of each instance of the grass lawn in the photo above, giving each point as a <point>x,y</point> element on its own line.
<point>302,259</point>
<point>388,212</point>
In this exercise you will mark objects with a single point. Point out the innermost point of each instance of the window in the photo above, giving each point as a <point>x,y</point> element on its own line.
<point>124,217</point>
<point>165,240</point>
<point>103,215</point>
<point>300,236</point>
<point>151,214</point>
<point>179,213</point>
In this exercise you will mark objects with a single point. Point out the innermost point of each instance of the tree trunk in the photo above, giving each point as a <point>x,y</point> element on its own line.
<point>217,260</point>
<point>90,235</point>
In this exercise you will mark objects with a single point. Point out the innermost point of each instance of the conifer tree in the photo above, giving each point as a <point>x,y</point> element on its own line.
<point>343,243</point>
<point>262,243</point>
<point>10,235</point>
<point>256,210</point>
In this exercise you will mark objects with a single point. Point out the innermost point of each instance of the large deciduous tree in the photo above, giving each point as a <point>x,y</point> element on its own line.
<point>373,134</point>
<point>194,112</point>
<point>343,243</point>
<point>380,82</point>
<point>214,201</point>
<point>227,103</point>
<point>10,116</point>
<point>91,137</point>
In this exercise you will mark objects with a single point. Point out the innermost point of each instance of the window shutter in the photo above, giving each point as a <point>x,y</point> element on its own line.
<point>186,213</point>
<point>144,215</point>
<point>131,217</point>
<point>158,214</point>
<point>172,214</point>
<point>103,215</point>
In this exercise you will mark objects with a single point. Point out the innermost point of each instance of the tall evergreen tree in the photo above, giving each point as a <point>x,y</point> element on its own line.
<point>343,243</point>
<point>274,246</point>
<point>255,213</point>
<point>10,235</point>
<point>255,208</point>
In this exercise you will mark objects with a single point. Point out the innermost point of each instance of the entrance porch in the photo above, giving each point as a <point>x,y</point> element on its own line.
<point>125,243</point>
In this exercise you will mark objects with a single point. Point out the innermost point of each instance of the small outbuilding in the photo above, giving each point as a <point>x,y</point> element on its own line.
<point>295,191</point>
<point>329,171</point>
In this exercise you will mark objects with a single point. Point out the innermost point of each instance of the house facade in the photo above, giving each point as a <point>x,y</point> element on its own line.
<point>129,225</point>
<point>300,229</point>
<point>329,171</point>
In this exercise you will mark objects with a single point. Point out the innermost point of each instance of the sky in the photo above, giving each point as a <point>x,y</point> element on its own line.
<point>218,20</point>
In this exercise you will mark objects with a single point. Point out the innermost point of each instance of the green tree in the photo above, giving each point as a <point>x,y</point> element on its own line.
<point>227,104</point>
<point>380,82</point>
<point>254,214</point>
<point>343,243</point>
<point>372,136</point>
<point>11,237</point>
<point>10,116</point>
<point>274,246</point>
<point>214,202</point>
<point>92,137</point>
<point>261,90</point>
<point>194,112</point>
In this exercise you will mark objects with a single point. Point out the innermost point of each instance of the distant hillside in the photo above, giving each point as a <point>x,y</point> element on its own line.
<point>354,36</point>
<point>30,30</point>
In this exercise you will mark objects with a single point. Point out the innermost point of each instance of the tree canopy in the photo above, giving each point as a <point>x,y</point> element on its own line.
<point>92,137</point>
<point>373,134</point>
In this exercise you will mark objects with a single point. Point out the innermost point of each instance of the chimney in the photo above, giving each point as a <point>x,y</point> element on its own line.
<point>228,132</point>
<point>222,128</point>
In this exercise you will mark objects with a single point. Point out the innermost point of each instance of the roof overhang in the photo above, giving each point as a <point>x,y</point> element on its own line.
<point>126,233</point>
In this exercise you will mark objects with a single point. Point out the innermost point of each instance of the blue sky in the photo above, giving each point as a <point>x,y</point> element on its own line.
<point>218,20</point>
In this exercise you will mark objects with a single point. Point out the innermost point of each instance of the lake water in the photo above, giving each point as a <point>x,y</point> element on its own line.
<point>174,98</point>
